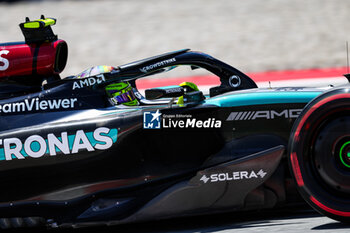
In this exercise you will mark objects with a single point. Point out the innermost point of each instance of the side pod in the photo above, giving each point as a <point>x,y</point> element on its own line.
<point>224,185</point>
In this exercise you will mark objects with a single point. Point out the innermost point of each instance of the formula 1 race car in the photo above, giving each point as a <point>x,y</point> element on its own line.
<point>91,149</point>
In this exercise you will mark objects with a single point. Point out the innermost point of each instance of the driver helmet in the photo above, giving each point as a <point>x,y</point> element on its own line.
<point>189,87</point>
<point>121,93</point>
<point>96,70</point>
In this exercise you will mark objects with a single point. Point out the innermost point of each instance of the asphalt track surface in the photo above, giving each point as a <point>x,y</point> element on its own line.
<point>301,219</point>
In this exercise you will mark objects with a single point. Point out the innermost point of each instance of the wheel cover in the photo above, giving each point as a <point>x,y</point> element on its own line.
<point>344,154</point>
<point>319,188</point>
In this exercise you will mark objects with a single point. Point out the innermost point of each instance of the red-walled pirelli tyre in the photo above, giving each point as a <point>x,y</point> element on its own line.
<point>319,154</point>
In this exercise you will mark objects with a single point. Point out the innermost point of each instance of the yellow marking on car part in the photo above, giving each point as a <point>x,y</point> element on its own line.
<point>193,86</point>
<point>36,24</point>
<point>32,25</point>
<point>180,101</point>
<point>190,85</point>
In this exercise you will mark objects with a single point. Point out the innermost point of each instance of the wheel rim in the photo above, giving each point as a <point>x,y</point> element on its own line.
<point>319,186</point>
<point>344,154</point>
<point>331,162</point>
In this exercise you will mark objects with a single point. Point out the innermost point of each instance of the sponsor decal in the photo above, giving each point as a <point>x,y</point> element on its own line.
<point>37,146</point>
<point>238,175</point>
<point>156,65</point>
<point>155,120</point>
<point>191,123</point>
<point>86,82</point>
<point>265,114</point>
<point>4,63</point>
<point>151,120</point>
<point>36,104</point>
<point>174,90</point>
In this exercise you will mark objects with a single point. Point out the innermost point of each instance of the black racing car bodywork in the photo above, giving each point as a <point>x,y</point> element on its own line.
<point>71,158</point>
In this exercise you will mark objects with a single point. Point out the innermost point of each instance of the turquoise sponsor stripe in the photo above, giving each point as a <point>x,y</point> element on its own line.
<point>35,146</point>
<point>113,133</point>
<point>2,154</point>
<point>260,98</point>
<point>90,135</point>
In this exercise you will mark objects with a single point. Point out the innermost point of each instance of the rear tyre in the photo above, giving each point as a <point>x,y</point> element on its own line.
<point>319,154</point>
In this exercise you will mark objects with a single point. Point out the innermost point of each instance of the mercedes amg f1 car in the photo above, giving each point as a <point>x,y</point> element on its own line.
<point>71,157</point>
